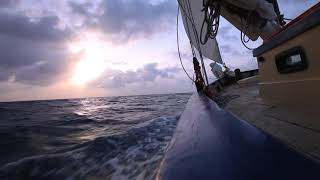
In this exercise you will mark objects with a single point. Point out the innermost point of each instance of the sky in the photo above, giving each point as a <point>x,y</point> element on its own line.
<point>53,49</point>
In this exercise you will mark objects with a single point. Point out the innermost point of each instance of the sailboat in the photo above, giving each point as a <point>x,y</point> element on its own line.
<point>259,124</point>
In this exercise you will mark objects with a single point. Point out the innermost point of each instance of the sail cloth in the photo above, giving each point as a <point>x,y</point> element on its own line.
<point>262,7</point>
<point>192,18</point>
<point>255,18</point>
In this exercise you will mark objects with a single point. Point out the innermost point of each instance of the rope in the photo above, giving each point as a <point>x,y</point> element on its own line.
<point>179,47</point>
<point>212,10</point>
<point>192,48</point>
<point>185,12</point>
<point>246,28</point>
<point>287,19</point>
<point>189,16</point>
<point>211,18</point>
<point>197,41</point>
<point>187,23</point>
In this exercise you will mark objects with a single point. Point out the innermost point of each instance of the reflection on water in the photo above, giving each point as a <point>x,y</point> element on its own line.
<point>114,137</point>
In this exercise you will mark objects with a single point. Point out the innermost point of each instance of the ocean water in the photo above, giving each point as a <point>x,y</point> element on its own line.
<point>93,138</point>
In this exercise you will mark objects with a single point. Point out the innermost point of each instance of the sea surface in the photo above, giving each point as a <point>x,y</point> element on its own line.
<point>93,138</point>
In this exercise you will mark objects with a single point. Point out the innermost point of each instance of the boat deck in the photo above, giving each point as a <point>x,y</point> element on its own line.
<point>297,126</point>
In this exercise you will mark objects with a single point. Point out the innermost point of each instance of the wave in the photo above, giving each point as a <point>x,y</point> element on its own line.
<point>134,154</point>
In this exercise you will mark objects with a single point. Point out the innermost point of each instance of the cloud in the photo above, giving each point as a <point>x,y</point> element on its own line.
<point>80,8</point>
<point>128,19</point>
<point>8,3</point>
<point>226,33</point>
<point>4,74</point>
<point>293,8</point>
<point>229,50</point>
<point>119,63</point>
<point>226,48</point>
<point>32,50</point>
<point>148,73</point>
<point>43,73</point>
<point>23,27</point>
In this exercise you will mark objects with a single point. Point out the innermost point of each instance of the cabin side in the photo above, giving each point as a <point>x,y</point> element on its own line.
<point>289,64</point>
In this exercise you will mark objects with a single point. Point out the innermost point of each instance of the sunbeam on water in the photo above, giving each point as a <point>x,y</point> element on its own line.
<point>95,138</point>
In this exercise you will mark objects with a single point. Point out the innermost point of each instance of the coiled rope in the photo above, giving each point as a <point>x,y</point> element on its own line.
<point>211,9</point>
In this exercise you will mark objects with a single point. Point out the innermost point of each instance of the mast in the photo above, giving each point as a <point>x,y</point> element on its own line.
<point>254,19</point>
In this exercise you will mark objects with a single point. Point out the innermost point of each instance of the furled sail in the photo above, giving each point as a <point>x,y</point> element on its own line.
<point>264,8</point>
<point>192,16</point>
<point>254,18</point>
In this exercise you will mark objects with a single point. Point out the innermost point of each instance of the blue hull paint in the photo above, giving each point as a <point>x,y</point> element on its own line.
<point>210,143</point>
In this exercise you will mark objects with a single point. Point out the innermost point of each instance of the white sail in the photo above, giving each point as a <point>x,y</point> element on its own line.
<point>193,17</point>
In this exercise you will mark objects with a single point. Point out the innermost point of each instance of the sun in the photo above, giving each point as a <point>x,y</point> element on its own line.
<point>93,63</point>
<point>88,69</point>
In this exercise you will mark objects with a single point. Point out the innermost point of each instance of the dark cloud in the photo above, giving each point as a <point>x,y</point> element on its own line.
<point>32,50</point>
<point>127,19</point>
<point>17,52</point>
<point>148,73</point>
<point>8,3</point>
<point>42,73</point>
<point>40,29</point>
<point>4,74</point>
<point>80,8</point>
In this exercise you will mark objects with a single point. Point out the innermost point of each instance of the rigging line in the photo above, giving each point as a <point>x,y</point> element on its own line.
<point>242,35</point>
<point>189,36</point>
<point>188,19</point>
<point>188,30</point>
<point>193,77</point>
<point>184,11</point>
<point>195,32</point>
<point>199,45</point>
<point>188,13</point>
<point>212,20</point>
<point>288,19</point>
<point>198,42</point>
<point>247,28</point>
<point>178,46</point>
<point>188,33</point>
<point>192,49</point>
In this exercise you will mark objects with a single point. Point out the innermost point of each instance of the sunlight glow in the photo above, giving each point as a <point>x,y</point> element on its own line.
<point>93,63</point>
